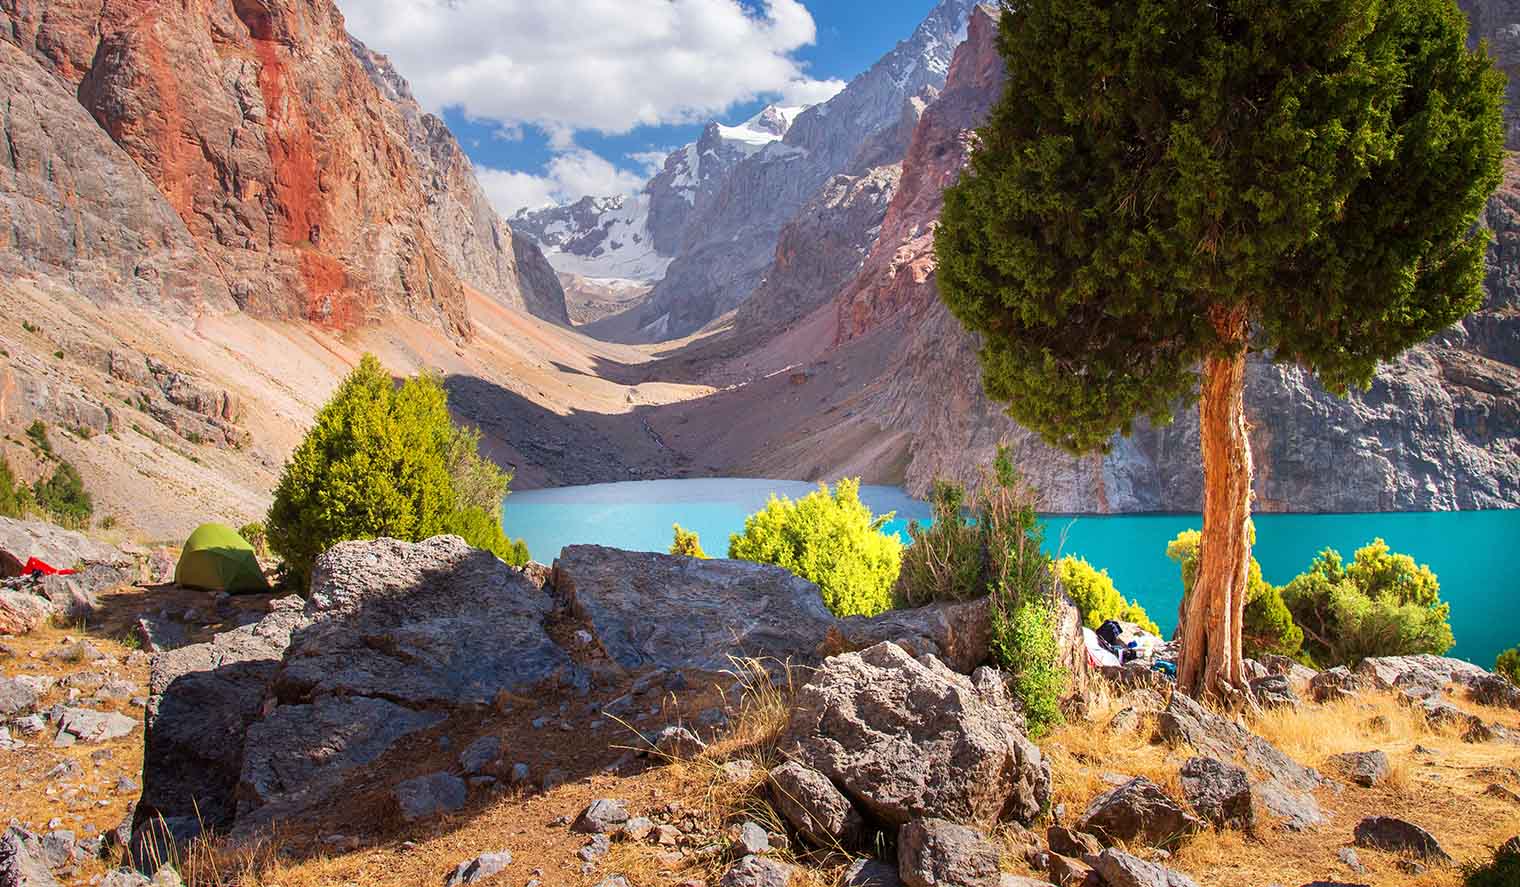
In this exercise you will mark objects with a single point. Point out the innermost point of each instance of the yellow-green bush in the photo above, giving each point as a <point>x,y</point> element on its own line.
<point>383,460</point>
<point>1268,626</point>
<point>1382,604</point>
<point>1095,595</point>
<point>831,539</point>
<point>1508,664</point>
<point>686,544</point>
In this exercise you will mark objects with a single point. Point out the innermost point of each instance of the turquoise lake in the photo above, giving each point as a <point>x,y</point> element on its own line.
<point>1476,554</point>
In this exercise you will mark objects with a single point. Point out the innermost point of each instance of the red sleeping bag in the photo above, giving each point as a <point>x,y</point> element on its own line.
<point>40,568</point>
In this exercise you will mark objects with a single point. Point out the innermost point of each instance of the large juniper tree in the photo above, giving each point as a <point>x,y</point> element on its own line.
<point>1167,185</point>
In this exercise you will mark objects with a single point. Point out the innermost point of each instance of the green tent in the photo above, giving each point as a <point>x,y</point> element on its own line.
<point>216,557</point>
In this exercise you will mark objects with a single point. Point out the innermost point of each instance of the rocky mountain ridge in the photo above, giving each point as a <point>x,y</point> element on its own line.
<point>310,192</point>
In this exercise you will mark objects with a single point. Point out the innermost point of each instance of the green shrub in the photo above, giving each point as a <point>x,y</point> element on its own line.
<point>64,497</point>
<point>1502,871</point>
<point>482,529</point>
<point>15,497</point>
<point>1024,643</point>
<point>381,460</point>
<point>1508,664</point>
<point>1269,627</point>
<point>686,544</point>
<point>1095,595</point>
<point>1382,604</point>
<point>970,550</point>
<point>37,431</point>
<point>831,539</point>
<point>254,534</point>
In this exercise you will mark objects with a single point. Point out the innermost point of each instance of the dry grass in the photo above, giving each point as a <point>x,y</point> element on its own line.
<point>1440,787</point>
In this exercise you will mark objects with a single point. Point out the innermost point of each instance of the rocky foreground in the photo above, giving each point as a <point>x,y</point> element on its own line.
<point>429,714</point>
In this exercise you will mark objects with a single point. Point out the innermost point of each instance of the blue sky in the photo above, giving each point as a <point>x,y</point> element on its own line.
<point>553,99</point>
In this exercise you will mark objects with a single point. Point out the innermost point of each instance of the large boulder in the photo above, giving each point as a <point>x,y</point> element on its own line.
<point>957,632</point>
<point>202,698</point>
<point>434,623</point>
<point>1399,836</point>
<point>908,739</point>
<point>1138,812</point>
<point>655,611</point>
<point>75,597</point>
<point>1339,683</point>
<point>22,862</point>
<point>1422,670</point>
<point>1119,869</point>
<point>56,546</point>
<point>21,612</point>
<point>1219,792</point>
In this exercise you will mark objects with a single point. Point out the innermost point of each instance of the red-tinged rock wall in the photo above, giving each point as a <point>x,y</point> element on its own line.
<point>263,132</point>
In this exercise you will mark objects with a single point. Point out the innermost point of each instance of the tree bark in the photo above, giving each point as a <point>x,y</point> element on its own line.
<point>1210,663</point>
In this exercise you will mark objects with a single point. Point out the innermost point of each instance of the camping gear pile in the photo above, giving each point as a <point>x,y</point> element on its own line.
<point>1116,644</point>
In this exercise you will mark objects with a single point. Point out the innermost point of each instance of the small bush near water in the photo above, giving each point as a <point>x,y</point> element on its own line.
<point>1094,593</point>
<point>1508,664</point>
<point>996,550</point>
<point>385,460</point>
<point>686,544</point>
<point>831,539</point>
<point>1269,627</point>
<point>1381,604</point>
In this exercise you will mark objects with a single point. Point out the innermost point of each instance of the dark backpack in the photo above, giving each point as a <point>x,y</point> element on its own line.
<point>1109,633</point>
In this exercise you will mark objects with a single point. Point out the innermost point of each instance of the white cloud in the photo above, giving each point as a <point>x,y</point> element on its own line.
<point>810,92</point>
<point>606,65</point>
<point>651,162</point>
<point>568,177</point>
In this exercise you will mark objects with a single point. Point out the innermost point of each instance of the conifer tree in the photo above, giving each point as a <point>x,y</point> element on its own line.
<point>1167,185</point>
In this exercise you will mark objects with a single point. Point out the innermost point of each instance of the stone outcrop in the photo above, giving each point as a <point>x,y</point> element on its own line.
<point>814,806</point>
<point>906,739</point>
<point>934,852</point>
<point>1138,812</point>
<point>707,610</point>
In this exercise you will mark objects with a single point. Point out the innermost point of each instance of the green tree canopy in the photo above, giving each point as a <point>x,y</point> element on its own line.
<point>1382,604</point>
<point>381,460</point>
<point>830,538</point>
<point>1167,184</point>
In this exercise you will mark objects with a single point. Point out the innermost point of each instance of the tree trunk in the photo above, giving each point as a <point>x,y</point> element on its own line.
<point>1211,617</point>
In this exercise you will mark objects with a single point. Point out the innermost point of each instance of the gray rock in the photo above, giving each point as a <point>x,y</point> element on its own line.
<point>156,840</point>
<point>1070,842</point>
<point>1337,683</point>
<point>1494,690</point>
<point>1348,858</point>
<point>938,853</point>
<point>601,816</point>
<point>1503,793</point>
<point>22,862</point>
<point>636,829</point>
<point>870,873</point>
<point>125,878</point>
<point>758,871</point>
<point>1365,768</point>
<point>1069,872</point>
<point>433,623</point>
<point>1296,808</point>
<point>425,797</point>
<point>957,632</point>
<point>1184,720</point>
<point>1274,691</point>
<point>479,868</point>
<point>58,848</point>
<point>54,545</point>
<point>1218,792</point>
<point>1138,812</point>
<point>752,840</point>
<point>160,635</point>
<point>76,596</point>
<point>1422,670</point>
<point>16,697</point>
<point>1120,869</point>
<point>481,756</point>
<point>709,610</point>
<point>295,758</point>
<point>95,726</point>
<point>678,743</point>
<point>201,700</point>
<point>1399,836</point>
<point>906,739</point>
<point>597,846</point>
<point>814,806</point>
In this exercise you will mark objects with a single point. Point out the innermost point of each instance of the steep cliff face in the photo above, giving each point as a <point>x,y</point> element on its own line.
<point>481,247</point>
<point>1439,429</point>
<point>77,211</point>
<point>296,177</point>
<point>730,241</point>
